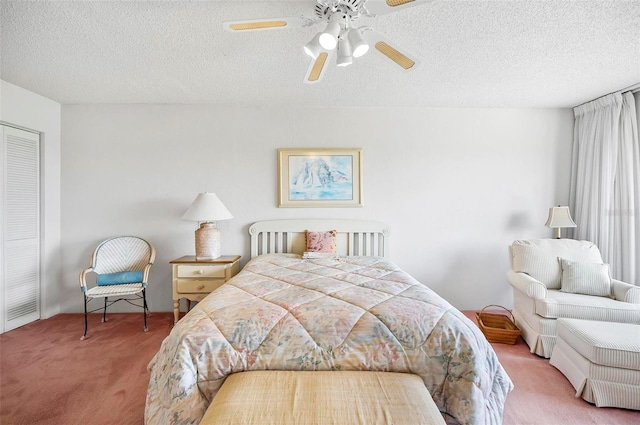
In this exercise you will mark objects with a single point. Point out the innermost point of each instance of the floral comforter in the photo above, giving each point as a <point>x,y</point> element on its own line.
<point>350,313</point>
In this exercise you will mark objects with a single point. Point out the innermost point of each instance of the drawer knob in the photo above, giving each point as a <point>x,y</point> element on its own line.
<point>201,287</point>
<point>200,271</point>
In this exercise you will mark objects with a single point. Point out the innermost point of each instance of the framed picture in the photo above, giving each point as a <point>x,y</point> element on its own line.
<point>320,178</point>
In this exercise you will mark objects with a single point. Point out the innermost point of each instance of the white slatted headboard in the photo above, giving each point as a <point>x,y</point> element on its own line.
<point>355,237</point>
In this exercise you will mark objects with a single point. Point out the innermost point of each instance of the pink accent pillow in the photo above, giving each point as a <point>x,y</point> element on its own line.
<point>321,241</point>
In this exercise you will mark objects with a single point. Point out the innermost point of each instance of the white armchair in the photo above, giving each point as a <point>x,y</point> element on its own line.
<point>558,278</point>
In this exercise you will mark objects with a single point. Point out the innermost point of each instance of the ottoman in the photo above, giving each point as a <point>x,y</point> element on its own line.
<point>274,397</point>
<point>601,360</point>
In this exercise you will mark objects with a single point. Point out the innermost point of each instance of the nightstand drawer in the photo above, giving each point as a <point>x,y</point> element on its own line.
<point>201,271</point>
<point>193,286</point>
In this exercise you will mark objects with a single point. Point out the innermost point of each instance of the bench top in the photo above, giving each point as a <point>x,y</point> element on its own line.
<point>322,397</point>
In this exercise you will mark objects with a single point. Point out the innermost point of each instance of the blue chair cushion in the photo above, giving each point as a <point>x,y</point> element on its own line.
<point>119,278</point>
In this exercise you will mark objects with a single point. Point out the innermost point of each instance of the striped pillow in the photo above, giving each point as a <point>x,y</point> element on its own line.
<point>585,278</point>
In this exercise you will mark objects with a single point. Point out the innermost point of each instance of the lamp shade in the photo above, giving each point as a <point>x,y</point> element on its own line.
<point>207,207</point>
<point>559,217</point>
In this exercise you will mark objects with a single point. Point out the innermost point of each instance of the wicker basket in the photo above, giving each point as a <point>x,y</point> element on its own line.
<point>498,327</point>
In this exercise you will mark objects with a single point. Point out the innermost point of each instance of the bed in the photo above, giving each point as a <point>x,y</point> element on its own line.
<point>354,311</point>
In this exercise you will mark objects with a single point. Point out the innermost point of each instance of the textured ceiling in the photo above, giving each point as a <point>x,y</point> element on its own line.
<point>472,54</point>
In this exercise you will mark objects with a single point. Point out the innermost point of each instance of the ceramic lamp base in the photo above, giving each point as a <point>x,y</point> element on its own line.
<point>207,242</point>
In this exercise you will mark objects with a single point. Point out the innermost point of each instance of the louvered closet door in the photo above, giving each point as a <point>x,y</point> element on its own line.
<point>20,264</point>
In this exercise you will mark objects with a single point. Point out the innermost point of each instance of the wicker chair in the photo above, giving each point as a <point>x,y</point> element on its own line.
<point>122,266</point>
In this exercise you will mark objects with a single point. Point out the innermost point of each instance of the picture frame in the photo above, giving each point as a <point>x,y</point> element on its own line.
<point>319,178</point>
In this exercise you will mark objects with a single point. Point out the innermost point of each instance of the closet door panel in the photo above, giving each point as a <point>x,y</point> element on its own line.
<point>23,288</point>
<point>21,227</point>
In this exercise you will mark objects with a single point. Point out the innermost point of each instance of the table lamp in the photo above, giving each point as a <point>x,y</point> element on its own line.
<point>207,209</point>
<point>559,217</point>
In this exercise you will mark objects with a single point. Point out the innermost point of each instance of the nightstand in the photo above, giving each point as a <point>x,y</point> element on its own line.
<point>195,279</point>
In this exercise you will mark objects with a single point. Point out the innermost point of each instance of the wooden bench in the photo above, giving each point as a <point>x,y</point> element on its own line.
<point>322,397</point>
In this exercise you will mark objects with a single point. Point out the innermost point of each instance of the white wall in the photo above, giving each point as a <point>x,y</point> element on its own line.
<point>23,108</point>
<point>456,186</point>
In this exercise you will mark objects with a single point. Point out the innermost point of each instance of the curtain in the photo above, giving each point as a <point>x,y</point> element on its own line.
<point>605,181</point>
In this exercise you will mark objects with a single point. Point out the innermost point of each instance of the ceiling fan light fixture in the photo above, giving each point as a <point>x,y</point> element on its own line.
<point>358,46</point>
<point>344,60</point>
<point>344,52</point>
<point>329,37</point>
<point>339,34</point>
<point>328,41</point>
<point>313,48</point>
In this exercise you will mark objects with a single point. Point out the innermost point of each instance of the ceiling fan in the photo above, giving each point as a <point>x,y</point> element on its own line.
<point>340,36</point>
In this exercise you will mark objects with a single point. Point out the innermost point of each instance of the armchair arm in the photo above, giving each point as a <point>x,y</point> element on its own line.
<point>83,278</point>
<point>526,284</point>
<point>147,268</point>
<point>625,292</point>
<point>145,276</point>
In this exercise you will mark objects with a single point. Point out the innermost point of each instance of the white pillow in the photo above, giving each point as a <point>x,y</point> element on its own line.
<point>585,278</point>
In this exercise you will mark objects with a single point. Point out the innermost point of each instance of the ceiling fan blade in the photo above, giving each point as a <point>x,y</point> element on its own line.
<point>318,67</point>
<point>268,24</point>
<point>385,47</point>
<point>381,7</point>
